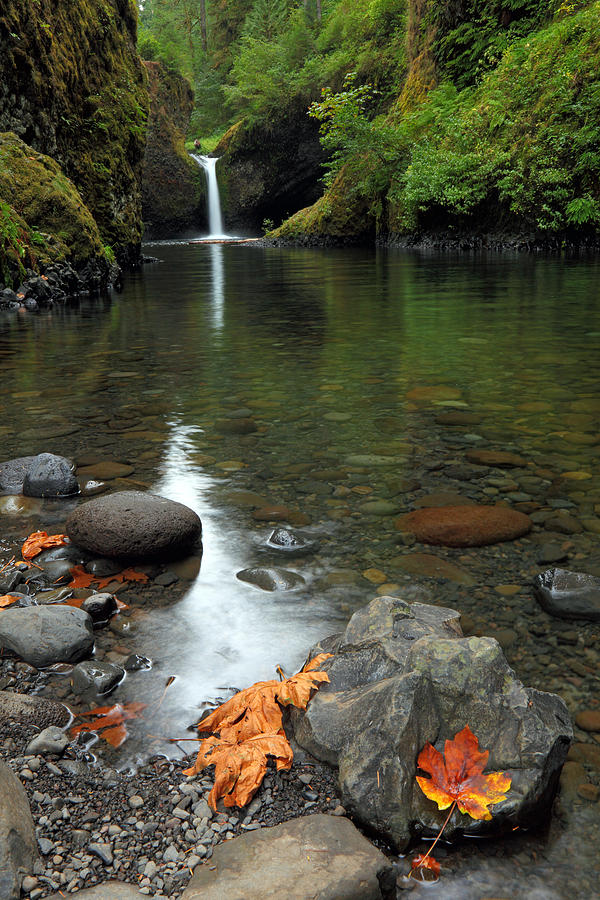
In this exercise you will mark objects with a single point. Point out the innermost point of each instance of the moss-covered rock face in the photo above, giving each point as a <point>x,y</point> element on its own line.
<point>173,185</point>
<point>72,87</point>
<point>43,219</point>
<point>268,172</point>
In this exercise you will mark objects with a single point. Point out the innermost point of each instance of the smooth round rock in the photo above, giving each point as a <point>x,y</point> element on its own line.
<point>134,525</point>
<point>271,579</point>
<point>588,719</point>
<point>465,526</point>
<point>289,543</point>
<point>50,740</point>
<point>50,476</point>
<point>499,459</point>
<point>101,677</point>
<point>43,635</point>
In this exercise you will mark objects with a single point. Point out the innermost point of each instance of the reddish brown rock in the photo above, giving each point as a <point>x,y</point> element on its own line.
<point>271,514</point>
<point>465,526</point>
<point>588,719</point>
<point>499,458</point>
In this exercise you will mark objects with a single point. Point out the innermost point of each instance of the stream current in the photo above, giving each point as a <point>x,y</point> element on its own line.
<point>238,378</point>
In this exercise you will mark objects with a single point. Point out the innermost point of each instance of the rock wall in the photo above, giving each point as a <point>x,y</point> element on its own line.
<point>173,185</point>
<point>268,172</point>
<point>72,87</point>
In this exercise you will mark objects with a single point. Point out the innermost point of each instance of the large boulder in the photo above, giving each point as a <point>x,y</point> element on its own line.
<point>568,595</point>
<point>13,472</point>
<point>465,526</point>
<point>401,675</point>
<point>44,635</point>
<point>50,476</point>
<point>18,848</point>
<point>29,709</point>
<point>312,857</point>
<point>134,525</point>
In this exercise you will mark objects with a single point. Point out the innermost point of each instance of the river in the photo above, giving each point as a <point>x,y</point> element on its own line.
<point>237,377</point>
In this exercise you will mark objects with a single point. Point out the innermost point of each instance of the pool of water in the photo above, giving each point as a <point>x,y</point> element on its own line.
<point>236,377</point>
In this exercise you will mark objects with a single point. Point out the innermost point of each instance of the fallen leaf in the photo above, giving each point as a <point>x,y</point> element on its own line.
<point>109,721</point>
<point>247,729</point>
<point>82,579</point>
<point>7,600</point>
<point>422,861</point>
<point>459,779</point>
<point>41,540</point>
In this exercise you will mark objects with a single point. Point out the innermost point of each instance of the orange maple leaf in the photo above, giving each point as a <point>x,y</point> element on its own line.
<point>41,540</point>
<point>247,729</point>
<point>109,721</point>
<point>459,779</point>
<point>7,600</point>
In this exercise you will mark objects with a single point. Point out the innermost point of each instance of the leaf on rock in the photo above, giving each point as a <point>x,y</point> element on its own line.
<point>459,778</point>
<point>41,540</point>
<point>7,600</point>
<point>109,721</point>
<point>247,729</point>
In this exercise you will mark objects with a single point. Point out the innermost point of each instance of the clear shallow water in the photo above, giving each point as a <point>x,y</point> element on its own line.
<point>323,349</point>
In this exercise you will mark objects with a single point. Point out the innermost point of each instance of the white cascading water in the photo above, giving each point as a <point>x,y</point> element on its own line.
<point>215,219</point>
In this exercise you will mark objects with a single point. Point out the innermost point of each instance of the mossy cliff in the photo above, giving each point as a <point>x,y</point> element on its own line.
<point>267,171</point>
<point>173,185</point>
<point>73,88</point>
<point>493,133</point>
<point>52,223</point>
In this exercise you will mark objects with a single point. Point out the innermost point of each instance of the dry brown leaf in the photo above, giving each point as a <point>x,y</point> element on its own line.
<point>82,579</point>
<point>41,540</point>
<point>7,600</point>
<point>109,721</point>
<point>247,729</point>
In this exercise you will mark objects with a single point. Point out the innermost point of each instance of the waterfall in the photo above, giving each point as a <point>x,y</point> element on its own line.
<point>215,219</point>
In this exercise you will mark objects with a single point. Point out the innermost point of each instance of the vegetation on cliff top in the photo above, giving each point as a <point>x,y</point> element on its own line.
<point>457,114</point>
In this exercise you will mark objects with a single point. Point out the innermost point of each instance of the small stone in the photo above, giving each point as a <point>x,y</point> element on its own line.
<point>589,791</point>
<point>135,801</point>
<point>28,884</point>
<point>102,851</point>
<point>50,740</point>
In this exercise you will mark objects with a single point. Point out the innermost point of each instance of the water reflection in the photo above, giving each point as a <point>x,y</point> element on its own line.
<point>217,285</point>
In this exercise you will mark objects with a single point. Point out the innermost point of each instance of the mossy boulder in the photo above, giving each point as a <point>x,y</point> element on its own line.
<point>72,87</point>
<point>268,170</point>
<point>173,185</point>
<point>340,216</point>
<point>43,219</point>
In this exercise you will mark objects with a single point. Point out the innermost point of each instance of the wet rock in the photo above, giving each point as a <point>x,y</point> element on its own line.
<point>314,856</point>
<point>563,524</point>
<point>134,525</point>
<point>106,470</point>
<point>289,543</point>
<point>18,850</point>
<point>29,709</point>
<point>135,662</point>
<point>13,472</point>
<point>100,607</point>
<point>271,579</point>
<point>457,417</point>
<point>588,719</point>
<point>402,675</point>
<point>499,459</point>
<point>433,567</point>
<point>550,553</point>
<point>568,595</point>
<point>465,526</point>
<point>430,393</point>
<point>50,740</point>
<point>103,567</point>
<point>271,514</point>
<point>50,476</point>
<point>442,498</point>
<point>43,635</point>
<point>236,426</point>
<point>98,677</point>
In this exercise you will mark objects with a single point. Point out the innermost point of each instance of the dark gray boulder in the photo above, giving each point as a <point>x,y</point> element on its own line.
<point>50,476</point>
<point>100,607</point>
<point>18,849</point>
<point>136,526</point>
<point>12,474</point>
<point>568,595</point>
<point>290,544</point>
<point>401,675</point>
<point>271,578</point>
<point>43,635</point>
<point>312,858</point>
